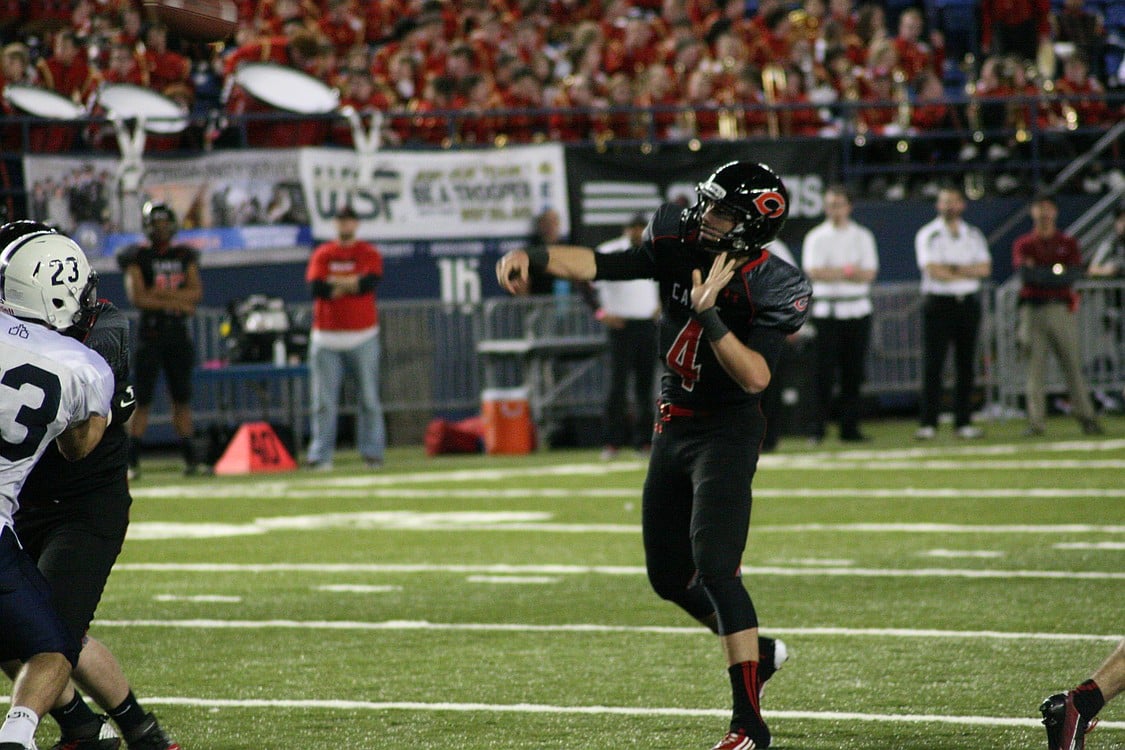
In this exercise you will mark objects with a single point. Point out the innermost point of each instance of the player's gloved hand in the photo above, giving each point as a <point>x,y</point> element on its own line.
<point>122,405</point>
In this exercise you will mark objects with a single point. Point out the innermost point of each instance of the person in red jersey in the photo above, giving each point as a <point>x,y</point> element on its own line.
<point>342,275</point>
<point>66,71</point>
<point>1048,262</point>
<point>1014,27</point>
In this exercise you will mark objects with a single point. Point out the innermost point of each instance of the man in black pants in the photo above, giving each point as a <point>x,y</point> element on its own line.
<point>162,281</point>
<point>953,258</point>
<point>719,338</point>
<point>72,521</point>
<point>628,310</point>
<point>841,258</point>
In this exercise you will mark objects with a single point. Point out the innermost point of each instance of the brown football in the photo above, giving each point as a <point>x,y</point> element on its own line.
<point>197,20</point>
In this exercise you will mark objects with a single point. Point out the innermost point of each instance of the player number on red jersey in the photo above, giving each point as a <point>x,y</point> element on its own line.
<point>683,354</point>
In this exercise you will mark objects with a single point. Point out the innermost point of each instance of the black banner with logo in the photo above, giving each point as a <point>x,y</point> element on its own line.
<point>608,188</point>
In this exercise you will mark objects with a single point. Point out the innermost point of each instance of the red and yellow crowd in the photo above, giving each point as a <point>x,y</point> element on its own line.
<point>516,71</point>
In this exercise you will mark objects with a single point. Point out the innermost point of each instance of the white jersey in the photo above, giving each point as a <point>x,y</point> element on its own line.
<point>48,381</point>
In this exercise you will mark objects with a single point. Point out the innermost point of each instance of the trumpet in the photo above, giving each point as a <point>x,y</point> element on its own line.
<point>774,83</point>
<point>972,110</point>
<point>905,112</point>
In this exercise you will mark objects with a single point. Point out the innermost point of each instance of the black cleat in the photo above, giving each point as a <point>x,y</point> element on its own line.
<point>1066,728</point>
<point>103,739</point>
<point>151,736</point>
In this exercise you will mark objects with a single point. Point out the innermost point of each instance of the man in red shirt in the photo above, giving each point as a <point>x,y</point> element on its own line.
<point>1049,262</point>
<point>342,275</point>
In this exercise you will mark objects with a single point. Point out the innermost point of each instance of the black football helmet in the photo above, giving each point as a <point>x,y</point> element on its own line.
<point>753,196</point>
<point>152,212</point>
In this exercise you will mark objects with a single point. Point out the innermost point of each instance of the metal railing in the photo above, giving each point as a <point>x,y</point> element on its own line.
<point>434,363</point>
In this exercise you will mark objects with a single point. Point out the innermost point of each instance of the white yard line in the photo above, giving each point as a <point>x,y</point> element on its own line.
<point>624,570</point>
<point>533,708</point>
<point>561,493</point>
<point>538,521</point>
<point>422,625</point>
<point>867,459</point>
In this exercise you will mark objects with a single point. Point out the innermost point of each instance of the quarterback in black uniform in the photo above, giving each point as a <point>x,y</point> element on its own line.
<point>727,307</point>
<point>72,520</point>
<point>162,281</point>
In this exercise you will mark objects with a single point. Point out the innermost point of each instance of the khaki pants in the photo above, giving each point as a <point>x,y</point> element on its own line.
<point>1053,326</point>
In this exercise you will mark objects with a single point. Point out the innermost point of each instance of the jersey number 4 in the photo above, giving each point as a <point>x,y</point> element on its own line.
<point>683,355</point>
<point>34,420</point>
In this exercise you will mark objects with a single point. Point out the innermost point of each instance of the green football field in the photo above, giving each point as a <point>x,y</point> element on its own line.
<point>931,595</point>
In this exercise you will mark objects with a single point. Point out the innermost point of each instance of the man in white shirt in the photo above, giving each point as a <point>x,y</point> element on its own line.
<point>953,258</point>
<point>54,389</point>
<point>628,309</point>
<point>841,259</point>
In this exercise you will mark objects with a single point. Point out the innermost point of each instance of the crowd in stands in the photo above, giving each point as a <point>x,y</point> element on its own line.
<point>517,71</point>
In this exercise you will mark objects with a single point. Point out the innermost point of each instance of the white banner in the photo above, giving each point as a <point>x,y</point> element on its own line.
<point>435,194</point>
<point>81,195</point>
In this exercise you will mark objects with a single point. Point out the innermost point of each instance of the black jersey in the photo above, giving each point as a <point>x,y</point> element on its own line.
<point>56,479</point>
<point>766,300</point>
<point>167,269</point>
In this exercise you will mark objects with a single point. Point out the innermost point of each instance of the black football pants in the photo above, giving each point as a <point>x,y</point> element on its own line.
<point>696,513</point>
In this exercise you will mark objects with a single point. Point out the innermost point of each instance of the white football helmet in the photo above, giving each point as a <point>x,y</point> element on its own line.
<point>45,277</point>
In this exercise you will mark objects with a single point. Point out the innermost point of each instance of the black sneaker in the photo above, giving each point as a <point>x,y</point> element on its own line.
<point>151,736</point>
<point>1066,728</point>
<point>13,746</point>
<point>103,739</point>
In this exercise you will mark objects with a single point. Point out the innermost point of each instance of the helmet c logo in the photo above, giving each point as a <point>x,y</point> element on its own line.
<point>771,204</point>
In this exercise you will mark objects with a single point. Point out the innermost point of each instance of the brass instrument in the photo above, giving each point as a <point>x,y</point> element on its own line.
<point>851,95</point>
<point>905,112</point>
<point>972,110</point>
<point>731,126</point>
<point>774,83</point>
<point>974,180</point>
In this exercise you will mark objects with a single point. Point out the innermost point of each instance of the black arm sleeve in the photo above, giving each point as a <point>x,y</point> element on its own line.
<point>636,263</point>
<point>110,338</point>
<point>320,289</point>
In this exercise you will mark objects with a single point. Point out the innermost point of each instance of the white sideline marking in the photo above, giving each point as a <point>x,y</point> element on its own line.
<point>512,579</point>
<point>409,625</point>
<point>558,493</point>
<point>534,708</point>
<point>276,487</point>
<point>410,520</point>
<point>198,598</point>
<point>955,553</point>
<point>1091,545</point>
<point>352,588</point>
<point>609,570</point>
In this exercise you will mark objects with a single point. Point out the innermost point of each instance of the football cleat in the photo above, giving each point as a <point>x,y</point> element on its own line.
<point>1066,728</point>
<point>741,741</point>
<point>105,739</point>
<point>151,736</point>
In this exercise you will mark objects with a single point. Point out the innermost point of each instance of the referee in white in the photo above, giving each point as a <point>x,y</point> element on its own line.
<point>953,258</point>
